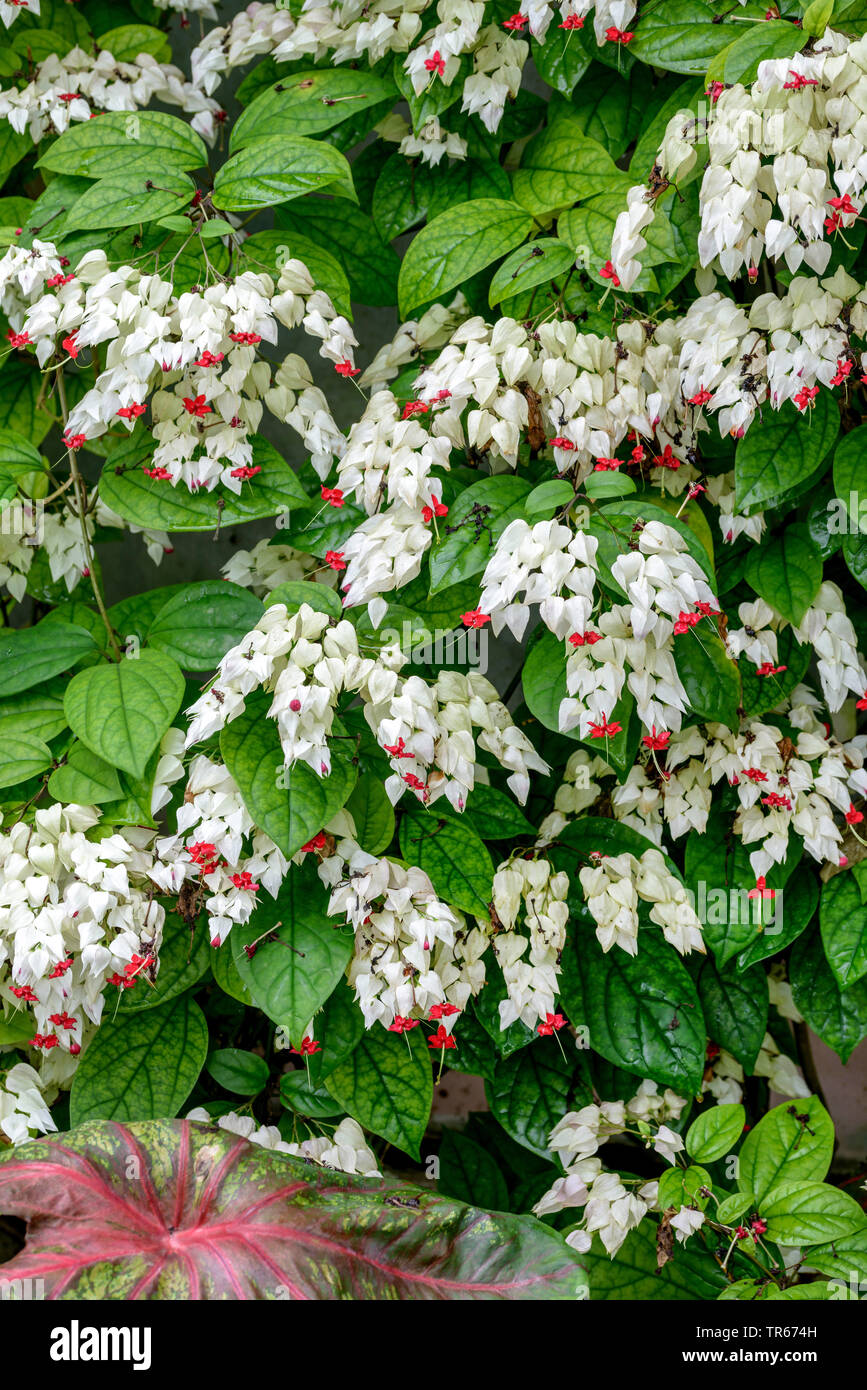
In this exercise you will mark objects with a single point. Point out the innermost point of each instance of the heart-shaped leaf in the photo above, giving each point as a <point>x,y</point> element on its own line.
<point>174,1210</point>
<point>33,654</point>
<point>121,709</point>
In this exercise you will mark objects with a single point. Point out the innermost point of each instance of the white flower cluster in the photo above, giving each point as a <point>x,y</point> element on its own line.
<point>218,846</point>
<point>63,90</point>
<point>345,1151</point>
<point>612,1207</point>
<point>412,952</point>
<point>75,914</point>
<point>529,900</point>
<point>613,886</point>
<point>766,187</point>
<point>23,1110</point>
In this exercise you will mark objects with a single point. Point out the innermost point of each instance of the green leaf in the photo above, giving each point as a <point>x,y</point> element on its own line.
<point>308,103</point>
<point>681,36</point>
<point>717,869</point>
<point>290,806</point>
<point>140,144</point>
<point>276,169</point>
<point>610,484</point>
<point>244,1073</point>
<point>269,251</point>
<point>781,1148</point>
<point>312,1102</point>
<point>549,497</point>
<point>21,756</point>
<point>679,1187</point>
<point>709,676</point>
<point>642,1012</point>
<point>533,264</point>
<point>494,815</point>
<point>126,42</point>
<point>839,1016</point>
<point>611,109</point>
<point>119,201</point>
<point>387,1087</point>
<point>402,196</point>
<point>633,1273</point>
<point>732,1208</point>
<point>715,1133</point>
<point>296,592</point>
<point>848,476</point>
<point>183,960</point>
<point>817,17</point>
<point>735,1005</point>
<point>18,458</point>
<point>797,903</point>
<point>370,264</point>
<point>197,626</point>
<point>562,59</point>
<point>561,167</point>
<point>20,397</point>
<point>783,449</point>
<point>476,521</point>
<point>452,855</point>
<point>141,1067</point>
<point>292,975</point>
<point>529,1094</point>
<point>33,654</point>
<point>843,923</point>
<point>38,712</point>
<point>786,571</point>
<point>842,1258</point>
<point>149,503</point>
<point>466,182</point>
<point>122,709</point>
<point>470,1173</point>
<point>759,43</point>
<point>372,813</point>
<point>805,1213</point>
<point>84,778</point>
<point>461,241</point>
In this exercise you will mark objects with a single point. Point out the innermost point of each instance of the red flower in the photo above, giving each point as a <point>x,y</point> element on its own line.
<point>402,1025</point>
<point>209,359</point>
<point>701,397</point>
<point>332,495</point>
<point>131,412</point>
<point>768,669</point>
<point>197,405</point>
<point>607,465</point>
<point>604,729</point>
<point>346,368</point>
<point>656,741</point>
<point>245,880</point>
<point>760,891</point>
<point>57,280</point>
<point>60,969</point>
<point>638,455</point>
<point>414,408</point>
<point>715,91</point>
<point>558,442</point>
<point>440,1039</point>
<point>754,774</point>
<point>160,474</point>
<point>442,1011</point>
<point>517,21</point>
<point>68,96</point>
<point>585,639</point>
<point>609,273</point>
<point>853,817</point>
<point>45,1041</point>
<point>63,1020</point>
<point>437,508</point>
<point>843,370</point>
<point>18,340</point>
<point>572,21</point>
<point>245,472</point>
<point>553,1023</point>
<point>799,81</point>
<point>247,339</point>
<point>475,618</point>
<point>685,621</point>
<point>309,1047</point>
<point>666,459</point>
<point>397,750</point>
<point>758,1226</point>
<point>205,855</point>
<point>862,703</point>
<point>436,63</point>
<point>742,1233</point>
<point>318,842</point>
<point>24,993</point>
<point>416,784</point>
<point>334,560</point>
<point>776,801</point>
<point>806,396</point>
<point>74,441</point>
<point>614,35</point>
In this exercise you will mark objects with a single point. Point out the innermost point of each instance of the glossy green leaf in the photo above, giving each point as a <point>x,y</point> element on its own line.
<point>476,521</point>
<point>22,755</point>
<point>470,1173</point>
<point>786,571</point>
<point>308,103</point>
<point>533,264</point>
<point>126,200</point>
<point>85,778</point>
<point>715,1133</point>
<point>839,1016</point>
<point>275,169</point>
<point>735,1005</point>
<point>197,626</point>
<point>781,450</point>
<point>464,239</point>
<point>243,1073</point>
<point>529,1093</point>
<point>372,813</point>
<point>387,1086</point>
<point>135,143</point>
<point>33,654</point>
<point>452,855</point>
<point>121,710</point>
<point>805,1213</point>
<point>784,1148</point>
<point>843,924</point>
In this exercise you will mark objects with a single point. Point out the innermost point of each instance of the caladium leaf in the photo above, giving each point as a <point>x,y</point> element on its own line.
<point>180,1210</point>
